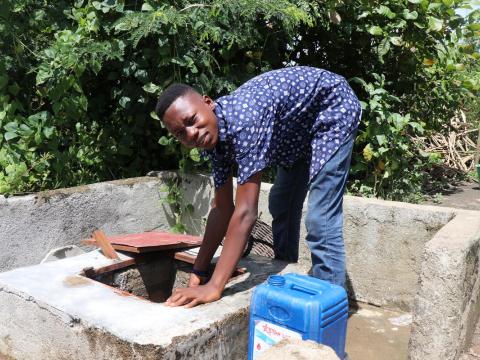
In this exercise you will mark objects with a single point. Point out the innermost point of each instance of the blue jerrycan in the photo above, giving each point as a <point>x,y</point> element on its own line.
<point>300,307</point>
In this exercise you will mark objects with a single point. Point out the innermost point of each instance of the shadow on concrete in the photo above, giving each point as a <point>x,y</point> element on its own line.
<point>259,268</point>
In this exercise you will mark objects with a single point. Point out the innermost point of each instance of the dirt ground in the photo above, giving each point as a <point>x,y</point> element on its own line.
<point>465,195</point>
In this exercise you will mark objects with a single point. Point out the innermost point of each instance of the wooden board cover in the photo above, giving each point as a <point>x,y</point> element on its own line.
<point>150,241</point>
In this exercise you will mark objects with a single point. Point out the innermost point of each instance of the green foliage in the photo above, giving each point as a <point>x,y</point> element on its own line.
<point>79,80</point>
<point>175,200</point>
<point>413,64</point>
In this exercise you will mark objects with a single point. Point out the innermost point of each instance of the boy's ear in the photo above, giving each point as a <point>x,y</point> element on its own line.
<point>208,100</point>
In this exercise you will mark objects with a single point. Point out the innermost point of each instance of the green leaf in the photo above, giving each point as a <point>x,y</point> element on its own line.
<point>473,27</point>
<point>382,150</point>
<point>194,155</point>
<point>410,15</point>
<point>3,81</point>
<point>435,24</point>
<point>396,40</point>
<point>434,6</point>
<point>12,126</point>
<point>163,141</point>
<point>10,135</point>
<point>154,116</point>
<point>151,88</point>
<point>363,15</point>
<point>48,131</point>
<point>124,100</point>
<point>375,30</point>
<point>385,11</point>
<point>147,7</point>
<point>383,48</point>
<point>13,89</point>
<point>381,139</point>
<point>44,73</point>
<point>37,138</point>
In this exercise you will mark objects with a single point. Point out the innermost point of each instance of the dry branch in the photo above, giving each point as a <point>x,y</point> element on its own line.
<point>455,144</point>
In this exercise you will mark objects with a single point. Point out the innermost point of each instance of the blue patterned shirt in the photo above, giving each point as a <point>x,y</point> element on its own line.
<point>280,117</point>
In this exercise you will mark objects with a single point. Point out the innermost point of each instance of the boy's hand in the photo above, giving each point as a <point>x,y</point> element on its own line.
<point>193,296</point>
<point>196,280</point>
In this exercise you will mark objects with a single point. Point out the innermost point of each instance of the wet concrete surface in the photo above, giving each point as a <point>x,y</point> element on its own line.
<point>377,334</point>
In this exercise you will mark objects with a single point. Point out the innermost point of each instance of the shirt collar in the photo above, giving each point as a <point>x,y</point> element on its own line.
<point>222,131</point>
<point>221,121</point>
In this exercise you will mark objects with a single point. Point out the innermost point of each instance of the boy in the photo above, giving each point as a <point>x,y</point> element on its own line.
<point>301,119</point>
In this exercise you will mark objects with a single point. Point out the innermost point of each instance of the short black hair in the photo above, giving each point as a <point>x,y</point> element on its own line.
<point>169,95</point>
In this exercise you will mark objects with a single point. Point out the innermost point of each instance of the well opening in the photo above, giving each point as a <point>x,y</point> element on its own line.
<point>149,276</point>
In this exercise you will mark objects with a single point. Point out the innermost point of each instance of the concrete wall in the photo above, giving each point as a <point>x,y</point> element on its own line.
<point>49,312</point>
<point>447,304</point>
<point>30,226</point>
<point>396,252</point>
<point>384,240</point>
<point>384,245</point>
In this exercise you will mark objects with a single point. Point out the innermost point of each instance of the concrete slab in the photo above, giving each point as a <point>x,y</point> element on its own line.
<point>49,311</point>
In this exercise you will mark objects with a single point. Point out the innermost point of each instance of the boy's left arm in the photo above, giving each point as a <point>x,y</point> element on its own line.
<point>238,232</point>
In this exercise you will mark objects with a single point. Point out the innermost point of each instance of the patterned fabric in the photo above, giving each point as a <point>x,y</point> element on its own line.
<point>280,117</point>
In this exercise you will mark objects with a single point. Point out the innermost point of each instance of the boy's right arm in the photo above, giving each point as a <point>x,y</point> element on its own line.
<point>216,227</point>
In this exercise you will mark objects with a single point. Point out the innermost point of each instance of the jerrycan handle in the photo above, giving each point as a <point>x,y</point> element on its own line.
<point>303,289</point>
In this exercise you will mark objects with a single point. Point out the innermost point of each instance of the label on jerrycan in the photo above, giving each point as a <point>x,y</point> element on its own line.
<point>267,334</point>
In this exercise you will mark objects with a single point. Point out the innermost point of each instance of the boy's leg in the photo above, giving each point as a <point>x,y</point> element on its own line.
<point>285,204</point>
<point>324,218</point>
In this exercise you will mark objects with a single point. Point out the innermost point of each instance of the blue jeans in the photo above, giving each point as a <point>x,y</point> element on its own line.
<point>324,219</point>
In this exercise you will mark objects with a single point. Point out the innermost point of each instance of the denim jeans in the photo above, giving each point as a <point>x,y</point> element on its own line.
<point>324,218</point>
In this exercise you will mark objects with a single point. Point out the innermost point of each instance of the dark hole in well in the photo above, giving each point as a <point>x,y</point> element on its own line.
<point>150,276</point>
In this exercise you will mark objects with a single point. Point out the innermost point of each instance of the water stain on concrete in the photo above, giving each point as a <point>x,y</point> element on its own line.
<point>5,348</point>
<point>371,334</point>
<point>75,281</point>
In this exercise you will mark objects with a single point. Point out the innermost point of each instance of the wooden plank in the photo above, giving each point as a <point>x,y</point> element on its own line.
<point>89,242</point>
<point>91,272</point>
<point>143,249</point>
<point>132,249</point>
<point>105,245</point>
<point>185,257</point>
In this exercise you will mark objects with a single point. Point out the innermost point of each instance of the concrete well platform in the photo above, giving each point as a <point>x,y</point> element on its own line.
<point>419,261</point>
<point>49,311</point>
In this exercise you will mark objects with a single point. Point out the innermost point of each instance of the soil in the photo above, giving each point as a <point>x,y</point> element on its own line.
<point>464,195</point>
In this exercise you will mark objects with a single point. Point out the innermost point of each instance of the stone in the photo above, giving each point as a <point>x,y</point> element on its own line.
<point>62,253</point>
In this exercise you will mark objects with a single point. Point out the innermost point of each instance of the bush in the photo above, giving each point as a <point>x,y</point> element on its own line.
<point>78,83</point>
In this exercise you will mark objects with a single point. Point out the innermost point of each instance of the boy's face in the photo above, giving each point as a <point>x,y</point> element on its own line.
<point>192,120</point>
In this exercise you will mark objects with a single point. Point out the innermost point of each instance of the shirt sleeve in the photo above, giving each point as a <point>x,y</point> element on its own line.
<point>222,160</point>
<point>254,114</point>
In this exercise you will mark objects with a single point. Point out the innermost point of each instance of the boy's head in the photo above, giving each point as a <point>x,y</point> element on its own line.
<point>188,116</point>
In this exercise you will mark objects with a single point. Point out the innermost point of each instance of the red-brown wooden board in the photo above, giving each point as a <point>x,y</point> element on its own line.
<point>150,241</point>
